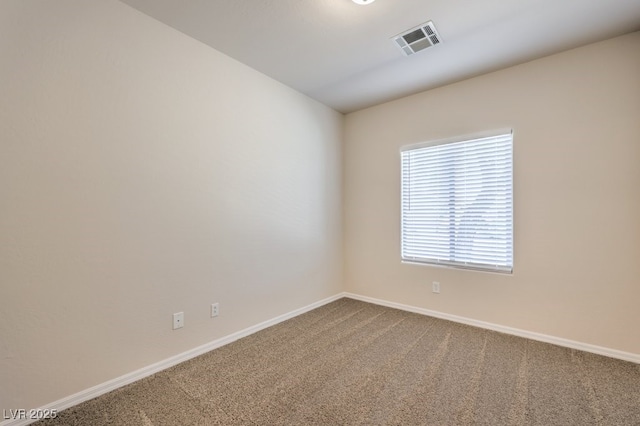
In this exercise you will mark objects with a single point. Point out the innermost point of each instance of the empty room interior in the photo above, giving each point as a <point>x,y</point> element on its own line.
<point>320,212</point>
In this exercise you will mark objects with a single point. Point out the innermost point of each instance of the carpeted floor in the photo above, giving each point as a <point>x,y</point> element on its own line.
<point>350,362</point>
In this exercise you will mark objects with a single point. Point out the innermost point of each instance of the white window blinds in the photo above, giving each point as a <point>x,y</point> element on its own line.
<point>457,204</point>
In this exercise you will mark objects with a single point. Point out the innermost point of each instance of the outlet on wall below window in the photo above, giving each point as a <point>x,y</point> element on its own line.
<point>215,309</point>
<point>436,287</point>
<point>178,320</point>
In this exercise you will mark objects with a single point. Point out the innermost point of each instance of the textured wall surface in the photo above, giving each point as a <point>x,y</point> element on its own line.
<point>576,122</point>
<point>142,173</point>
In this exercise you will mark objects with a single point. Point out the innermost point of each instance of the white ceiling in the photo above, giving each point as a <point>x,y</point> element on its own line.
<point>341,54</point>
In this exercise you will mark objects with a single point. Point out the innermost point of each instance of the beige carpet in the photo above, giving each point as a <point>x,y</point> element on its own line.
<point>350,362</point>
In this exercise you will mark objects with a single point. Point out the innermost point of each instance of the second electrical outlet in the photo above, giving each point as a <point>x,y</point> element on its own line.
<point>178,320</point>
<point>215,309</point>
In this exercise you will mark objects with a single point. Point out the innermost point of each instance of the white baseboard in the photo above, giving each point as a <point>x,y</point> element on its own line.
<point>116,383</point>
<point>612,353</point>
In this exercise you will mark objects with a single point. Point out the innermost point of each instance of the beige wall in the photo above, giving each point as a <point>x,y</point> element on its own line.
<point>576,121</point>
<point>143,173</point>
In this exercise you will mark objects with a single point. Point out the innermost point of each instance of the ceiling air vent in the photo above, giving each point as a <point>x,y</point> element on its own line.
<point>418,38</point>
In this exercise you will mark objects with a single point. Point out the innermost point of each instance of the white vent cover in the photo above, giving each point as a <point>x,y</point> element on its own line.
<point>418,38</point>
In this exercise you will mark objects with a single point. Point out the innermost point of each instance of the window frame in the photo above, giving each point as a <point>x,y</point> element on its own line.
<point>482,267</point>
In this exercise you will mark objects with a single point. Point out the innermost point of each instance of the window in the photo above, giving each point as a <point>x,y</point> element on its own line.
<point>457,203</point>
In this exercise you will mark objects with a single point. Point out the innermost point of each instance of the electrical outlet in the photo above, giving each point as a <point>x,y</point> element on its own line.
<point>436,287</point>
<point>178,320</point>
<point>215,309</point>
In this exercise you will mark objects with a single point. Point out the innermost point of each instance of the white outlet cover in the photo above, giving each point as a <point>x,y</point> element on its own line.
<point>215,309</point>
<point>178,320</point>
<point>436,287</point>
